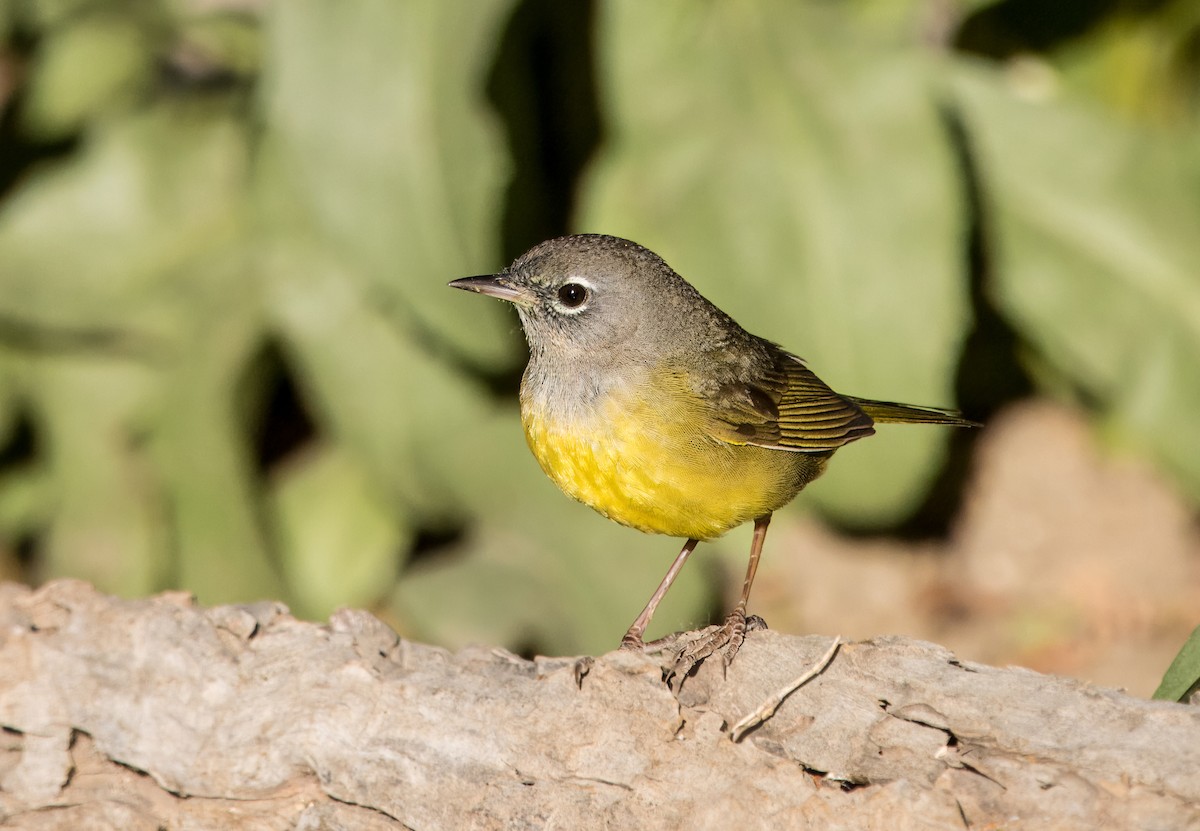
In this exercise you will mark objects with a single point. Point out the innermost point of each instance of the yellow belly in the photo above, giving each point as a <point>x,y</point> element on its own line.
<point>651,467</point>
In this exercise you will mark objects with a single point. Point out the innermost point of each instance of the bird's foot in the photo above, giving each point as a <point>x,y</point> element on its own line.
<point>632,642</point>
<point>725,639</point>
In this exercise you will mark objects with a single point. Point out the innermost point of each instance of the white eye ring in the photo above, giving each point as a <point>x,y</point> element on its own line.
<point>572,296</point>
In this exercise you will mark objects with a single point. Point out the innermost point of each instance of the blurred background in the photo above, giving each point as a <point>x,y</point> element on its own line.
<point>229,361</point>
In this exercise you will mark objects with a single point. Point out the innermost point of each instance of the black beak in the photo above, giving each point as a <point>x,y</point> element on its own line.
<point>493,285</point>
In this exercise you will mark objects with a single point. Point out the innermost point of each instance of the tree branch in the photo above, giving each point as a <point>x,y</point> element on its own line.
<point>116,710</point>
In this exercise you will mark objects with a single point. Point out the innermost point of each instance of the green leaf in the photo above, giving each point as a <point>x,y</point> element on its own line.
<point>795,169</point>
<point>83,70</point>
<point>9,401</point>
<point>145,197</point>
<point>202,447</point>
<point>379,394</point>
<point>1183,676</point>
<point>339,540</point>
<point>27,500</point>
<point>225,41</point>
<point>139,324</point>
<point>1137,63</point>
<point>47,13</point>
<point>1095,223</point>
<point>389,155</point>
<point>106,523</point>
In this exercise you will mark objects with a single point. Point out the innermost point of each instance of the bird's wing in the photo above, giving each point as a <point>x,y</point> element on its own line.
<point>785,406</point>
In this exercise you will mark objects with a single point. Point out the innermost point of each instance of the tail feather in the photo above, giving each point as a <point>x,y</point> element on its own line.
<point>889,412</point>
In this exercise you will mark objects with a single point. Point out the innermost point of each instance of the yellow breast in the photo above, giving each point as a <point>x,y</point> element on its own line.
<point>647,463</point>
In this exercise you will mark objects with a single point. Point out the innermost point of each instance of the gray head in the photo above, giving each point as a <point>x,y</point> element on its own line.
<point>591,293</point>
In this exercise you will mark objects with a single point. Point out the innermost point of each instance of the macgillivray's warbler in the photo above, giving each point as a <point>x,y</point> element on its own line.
<point>646,402</point>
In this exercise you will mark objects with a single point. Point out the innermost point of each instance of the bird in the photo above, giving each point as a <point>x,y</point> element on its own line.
<point>646,402</point>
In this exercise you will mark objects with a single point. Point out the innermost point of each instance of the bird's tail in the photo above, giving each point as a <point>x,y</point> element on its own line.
<point>887,411</point>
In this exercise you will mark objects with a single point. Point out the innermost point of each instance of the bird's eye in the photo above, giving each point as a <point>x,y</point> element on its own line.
<point>572,295</point>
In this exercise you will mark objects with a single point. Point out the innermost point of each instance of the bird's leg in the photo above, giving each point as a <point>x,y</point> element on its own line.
<point>727,638</point>
<point>633,638</point>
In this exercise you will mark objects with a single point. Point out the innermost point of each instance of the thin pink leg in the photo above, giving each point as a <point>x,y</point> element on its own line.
<point>756,544</point>
<point>633,638</point>
<point>726,638</point>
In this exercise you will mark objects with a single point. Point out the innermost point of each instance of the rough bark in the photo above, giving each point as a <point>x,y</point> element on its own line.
<point>161,714</point>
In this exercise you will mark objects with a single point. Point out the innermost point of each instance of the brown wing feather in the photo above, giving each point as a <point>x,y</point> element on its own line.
<point>787,407</point>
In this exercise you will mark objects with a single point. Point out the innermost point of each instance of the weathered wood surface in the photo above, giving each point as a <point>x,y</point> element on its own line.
<point>162,714</point>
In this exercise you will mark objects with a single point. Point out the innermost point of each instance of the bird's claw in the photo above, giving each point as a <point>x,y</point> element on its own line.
<point>725,639</point>
<point>755,623</point>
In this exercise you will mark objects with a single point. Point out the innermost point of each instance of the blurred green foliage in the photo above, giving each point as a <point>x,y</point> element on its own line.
<point>229,361</point>
<point>1182,679</point>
